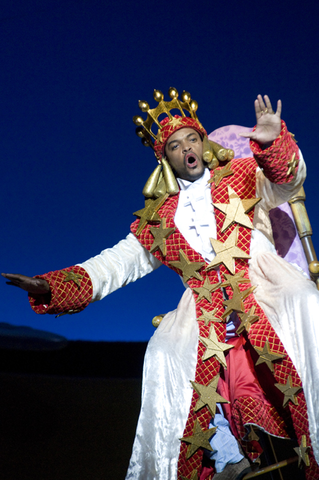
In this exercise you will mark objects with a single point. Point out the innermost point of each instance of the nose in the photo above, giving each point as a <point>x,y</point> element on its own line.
<point>186,147</point>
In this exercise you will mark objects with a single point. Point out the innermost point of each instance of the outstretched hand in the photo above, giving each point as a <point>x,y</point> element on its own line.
<point>31,285</point>
<point>268,122</point>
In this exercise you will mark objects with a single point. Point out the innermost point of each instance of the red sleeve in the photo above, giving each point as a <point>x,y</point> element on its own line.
<point>71,291</point>
<point>280,161</point>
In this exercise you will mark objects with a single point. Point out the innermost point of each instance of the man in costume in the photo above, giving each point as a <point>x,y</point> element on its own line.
<point>205,226</point>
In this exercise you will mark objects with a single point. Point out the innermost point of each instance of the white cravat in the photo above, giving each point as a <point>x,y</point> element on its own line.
<point>194,215</point>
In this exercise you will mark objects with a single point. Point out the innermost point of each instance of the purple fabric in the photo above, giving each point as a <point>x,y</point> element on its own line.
<point>287,241</point>
<point>228,137</point>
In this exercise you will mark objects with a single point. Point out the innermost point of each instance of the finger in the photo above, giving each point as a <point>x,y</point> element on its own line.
<point>258,110</point>
<point>262,106</point>
<point>13,284</point>
<point>279,108</point>
<point>11,276</point>
<point>268,104</point>
<point>13,280</point>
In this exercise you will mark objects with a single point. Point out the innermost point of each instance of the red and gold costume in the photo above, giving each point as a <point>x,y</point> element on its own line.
<point>246,408</point>
<point>71,291</point>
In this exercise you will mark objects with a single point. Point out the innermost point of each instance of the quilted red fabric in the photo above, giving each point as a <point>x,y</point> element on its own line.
<point>66,296</point>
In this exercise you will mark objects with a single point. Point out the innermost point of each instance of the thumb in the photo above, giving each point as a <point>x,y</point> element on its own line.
<point>247,134</point>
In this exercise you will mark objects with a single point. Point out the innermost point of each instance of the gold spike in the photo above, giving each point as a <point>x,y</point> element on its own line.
<point>144,106</point>
<point>231,154</point>
<point>158,95</point>
<point>208,154</point>
<point>172,92</point>
<point>161,188</point>
<point>194,106</point>
<point>221,152</point>
<point>207,150</point>
<point>138,120</point>
<point>151,184</point>
<point>213,164</point>
<point>169,177</point>
<point>186,96</point>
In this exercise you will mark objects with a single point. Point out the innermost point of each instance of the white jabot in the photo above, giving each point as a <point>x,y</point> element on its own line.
<point>195,217</point>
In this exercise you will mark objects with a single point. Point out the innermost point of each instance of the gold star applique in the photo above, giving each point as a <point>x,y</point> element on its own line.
<point>194,476</point>
<point>208,396</point>
<point>148,213</point>
<point>235,304</point>
<point>206,290</point>
<point>175,122</point>
<point>234,280</point>
<point>292,165</point>
<point>160,234</point>
<point>214,348</point>
<point>266,356</point>
<point>226,252</point>
<point>247,319</point>
<point>159,136</point>
<point>290,392</point>
<point>72,277</point>
<point>199,439</point>
<point>220,174</point>
<point>302,451</point>
<point>208,317</point>
<point>189,269</point>
<point>236,210</point>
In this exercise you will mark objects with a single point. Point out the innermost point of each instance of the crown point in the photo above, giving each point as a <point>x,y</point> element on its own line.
<point>144,106</point>
<point>138,120</point>
<point>140,131</point>
<point>186,96</point>
<point>193,105</point>
<point>145,142</point>
<point>158,95</point>
<point>173,93</point>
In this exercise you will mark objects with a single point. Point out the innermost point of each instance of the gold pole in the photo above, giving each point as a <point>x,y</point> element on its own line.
<point>297,204</point>
<point>271,468</point>
<point>275,456</point>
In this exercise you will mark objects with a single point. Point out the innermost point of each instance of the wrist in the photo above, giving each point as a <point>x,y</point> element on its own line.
<point>266,145</point>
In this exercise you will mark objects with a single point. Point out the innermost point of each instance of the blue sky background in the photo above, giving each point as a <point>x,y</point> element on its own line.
<point>72,72</point>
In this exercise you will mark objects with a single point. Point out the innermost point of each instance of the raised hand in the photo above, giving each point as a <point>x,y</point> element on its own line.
<point>268,122</point>
<point>31,285</point>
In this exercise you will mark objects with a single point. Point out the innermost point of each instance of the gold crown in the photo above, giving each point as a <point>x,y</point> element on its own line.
<point>144,127</point>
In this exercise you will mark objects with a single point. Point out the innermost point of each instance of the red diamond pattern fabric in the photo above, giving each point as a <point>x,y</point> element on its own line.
<point>66,296</point>
<point>249,410</point>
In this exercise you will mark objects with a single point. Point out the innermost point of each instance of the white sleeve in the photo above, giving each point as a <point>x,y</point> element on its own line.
<point>273,194</point>
<point>115,267</point>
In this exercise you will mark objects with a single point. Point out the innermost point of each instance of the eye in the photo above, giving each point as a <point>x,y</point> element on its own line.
<point>193,139</point>
<point>173,147</point>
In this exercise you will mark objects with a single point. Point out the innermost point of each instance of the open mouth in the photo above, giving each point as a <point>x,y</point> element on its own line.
<point>191,160</point>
